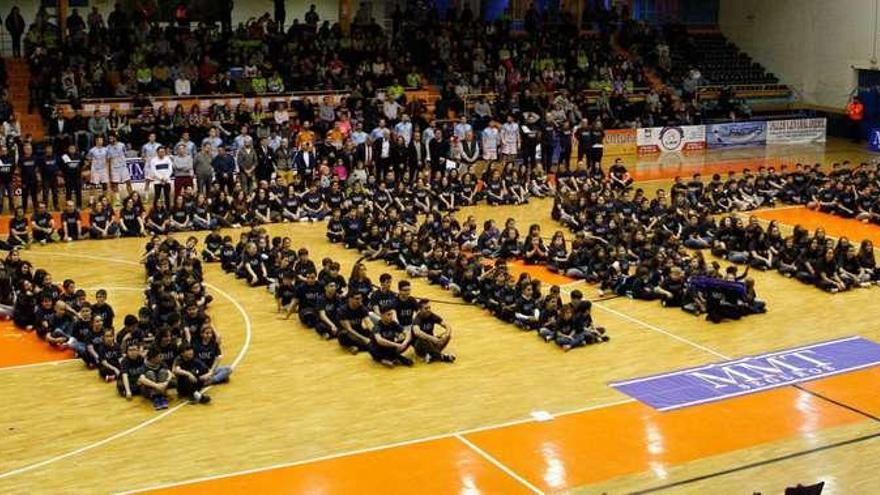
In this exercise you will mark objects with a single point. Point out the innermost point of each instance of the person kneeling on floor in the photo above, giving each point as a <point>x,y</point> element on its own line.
<point>390,341</point>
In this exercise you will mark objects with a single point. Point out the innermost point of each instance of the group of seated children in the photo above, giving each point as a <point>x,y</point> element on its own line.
<point>169,344</point>
<point>816,259</point>
<point>304,199</point>
<point>452,255</point>
<point>359,316</point>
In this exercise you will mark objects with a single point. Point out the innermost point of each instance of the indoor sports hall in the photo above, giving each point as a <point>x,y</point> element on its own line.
<point>713,166</point>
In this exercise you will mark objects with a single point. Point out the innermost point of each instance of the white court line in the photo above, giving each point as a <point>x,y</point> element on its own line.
<point>500,465</point>
<point>57,362</point>
<point>140,426</point>
<point>330,457</point>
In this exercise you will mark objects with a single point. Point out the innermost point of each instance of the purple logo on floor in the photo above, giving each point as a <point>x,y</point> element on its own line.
<point>751,374</point>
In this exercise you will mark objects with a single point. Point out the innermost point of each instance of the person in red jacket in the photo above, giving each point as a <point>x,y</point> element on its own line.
<point>855,110</point>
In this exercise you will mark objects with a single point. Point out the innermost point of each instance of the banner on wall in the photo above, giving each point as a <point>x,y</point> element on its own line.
<point>620,142</point>
<point>670,139</point>
<point>736,134</point>
<point>135,169</point>
<point>796,131</point>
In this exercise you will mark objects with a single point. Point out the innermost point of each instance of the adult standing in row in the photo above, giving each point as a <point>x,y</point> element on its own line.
<point>15,25</point>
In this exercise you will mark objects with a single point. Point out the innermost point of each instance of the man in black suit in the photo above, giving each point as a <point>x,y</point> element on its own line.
<point>382,154</point>
<point>265,160</point>
<point>364,153</point>
<point>417,155</point>
<point>306,161</point>
<point>59,129</point>
<point>438,148</point>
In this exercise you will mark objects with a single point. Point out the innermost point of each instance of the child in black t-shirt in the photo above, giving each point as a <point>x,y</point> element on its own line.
<point>389,341</point>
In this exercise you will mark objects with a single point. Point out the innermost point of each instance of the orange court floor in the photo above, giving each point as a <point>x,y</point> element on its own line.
<point>512,415</point>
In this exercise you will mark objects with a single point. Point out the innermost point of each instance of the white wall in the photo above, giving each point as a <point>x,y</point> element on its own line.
<point>809,44</point>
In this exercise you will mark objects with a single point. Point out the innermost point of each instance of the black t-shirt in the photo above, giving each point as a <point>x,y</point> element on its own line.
<point>285,293</point>
<point>109,353</point>
<point>389,331</point>
<point>406,310</point>
<point>426,322</point>
<point>383,299</point>
<point>70,219</point>
<point>313,200</point>
<point>42,219</point>
<point>354,316</point>
<point>195,365</point>
<point>206,353</point>
<point>134,368</point>
<point>309,295</point>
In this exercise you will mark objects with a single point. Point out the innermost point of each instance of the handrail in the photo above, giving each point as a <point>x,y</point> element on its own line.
<point>210,96</point>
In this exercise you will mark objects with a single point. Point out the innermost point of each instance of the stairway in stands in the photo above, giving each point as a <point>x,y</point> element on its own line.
<point>19,75</point>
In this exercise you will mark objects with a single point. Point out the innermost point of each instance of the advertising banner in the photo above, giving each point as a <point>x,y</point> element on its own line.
<point>620,142</point>
<point>736,134</point>
<point>748,375</point>
<point>796,131</point>
<point>670,139</point>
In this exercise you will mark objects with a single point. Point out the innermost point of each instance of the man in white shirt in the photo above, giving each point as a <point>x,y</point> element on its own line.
<point>150,149</point>
<point>461,128</point>
<point>404,128</point>
<point>182,86</point>
<point>358,136</point>
<point>213,140</point>
<point>187,144</point>
<point>159,171</point>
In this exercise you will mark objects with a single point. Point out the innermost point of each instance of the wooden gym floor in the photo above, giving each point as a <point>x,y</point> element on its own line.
<point>300,415</point>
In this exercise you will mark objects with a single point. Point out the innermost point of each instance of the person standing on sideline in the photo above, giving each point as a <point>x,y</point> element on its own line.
<point>15,25</point>
<point>280,14</point>
<point>855,111</point>
<point>183,170</point>
<point>203,169</point>
<point>159,171</point>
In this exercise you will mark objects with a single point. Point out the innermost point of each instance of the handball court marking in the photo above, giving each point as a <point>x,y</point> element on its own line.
<point>155,419</point>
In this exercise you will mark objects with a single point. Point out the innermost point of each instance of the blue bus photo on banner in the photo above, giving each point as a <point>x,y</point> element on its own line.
<point>736,134</point>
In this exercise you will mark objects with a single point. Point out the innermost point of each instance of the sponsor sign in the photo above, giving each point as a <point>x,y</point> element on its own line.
<point>751,374</point>
<point>670,139</point>
<point>796,131</point>
<point>736,134</point>
<point>135,169</point>
<point>620,142</point>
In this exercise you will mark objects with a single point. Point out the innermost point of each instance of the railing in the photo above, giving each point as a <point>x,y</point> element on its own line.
<point>747,91</point>
<point>206,100</point>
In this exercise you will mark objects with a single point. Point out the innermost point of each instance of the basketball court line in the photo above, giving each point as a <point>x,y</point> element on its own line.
<point>567,288</point>
<point>764,462</point>
<point>366,450</point>
<point>622,315</point>
<point>242,352</point>
<point>485,455</point>
<point>35,365</point>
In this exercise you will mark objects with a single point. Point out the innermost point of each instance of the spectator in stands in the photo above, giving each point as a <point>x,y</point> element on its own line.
<point>15,26</point>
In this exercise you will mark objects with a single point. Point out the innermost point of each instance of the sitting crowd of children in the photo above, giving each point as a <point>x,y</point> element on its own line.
<point>472,265</point>
<point>354,312</point>
<point>170,344</point>
<point>849,192</point>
